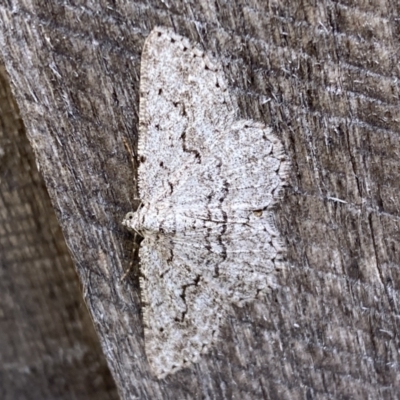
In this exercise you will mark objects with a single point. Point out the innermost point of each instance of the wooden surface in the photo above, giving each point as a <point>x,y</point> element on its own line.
<point>324,75</point>
<point>48,347</point>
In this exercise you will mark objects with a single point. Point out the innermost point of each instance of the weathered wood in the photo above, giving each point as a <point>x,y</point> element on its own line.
<point>325,77</point>
<point>48,347</point>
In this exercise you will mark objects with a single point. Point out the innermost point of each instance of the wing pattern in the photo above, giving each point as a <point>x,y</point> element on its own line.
<point>208,182</point>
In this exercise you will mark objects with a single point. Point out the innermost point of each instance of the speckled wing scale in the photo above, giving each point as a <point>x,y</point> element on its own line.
<point>207,182</point>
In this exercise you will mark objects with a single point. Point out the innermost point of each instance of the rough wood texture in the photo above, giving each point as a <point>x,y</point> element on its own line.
<point>48,347</point>
<point>325,76</point>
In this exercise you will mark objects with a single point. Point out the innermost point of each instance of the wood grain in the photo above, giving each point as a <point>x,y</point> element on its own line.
<point>324,76</point>
<point>48,347</point>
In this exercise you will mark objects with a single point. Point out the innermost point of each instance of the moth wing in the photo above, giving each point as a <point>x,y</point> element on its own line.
<point>177,81</point>
<point>237,257</point>
<point>241,176</point>
<point>187,283</point>
<point>182,312</point>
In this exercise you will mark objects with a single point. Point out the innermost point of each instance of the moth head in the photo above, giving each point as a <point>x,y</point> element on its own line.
<point>132,221</point>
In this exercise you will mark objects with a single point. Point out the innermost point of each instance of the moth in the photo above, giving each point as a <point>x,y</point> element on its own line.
<point>208,182</point>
